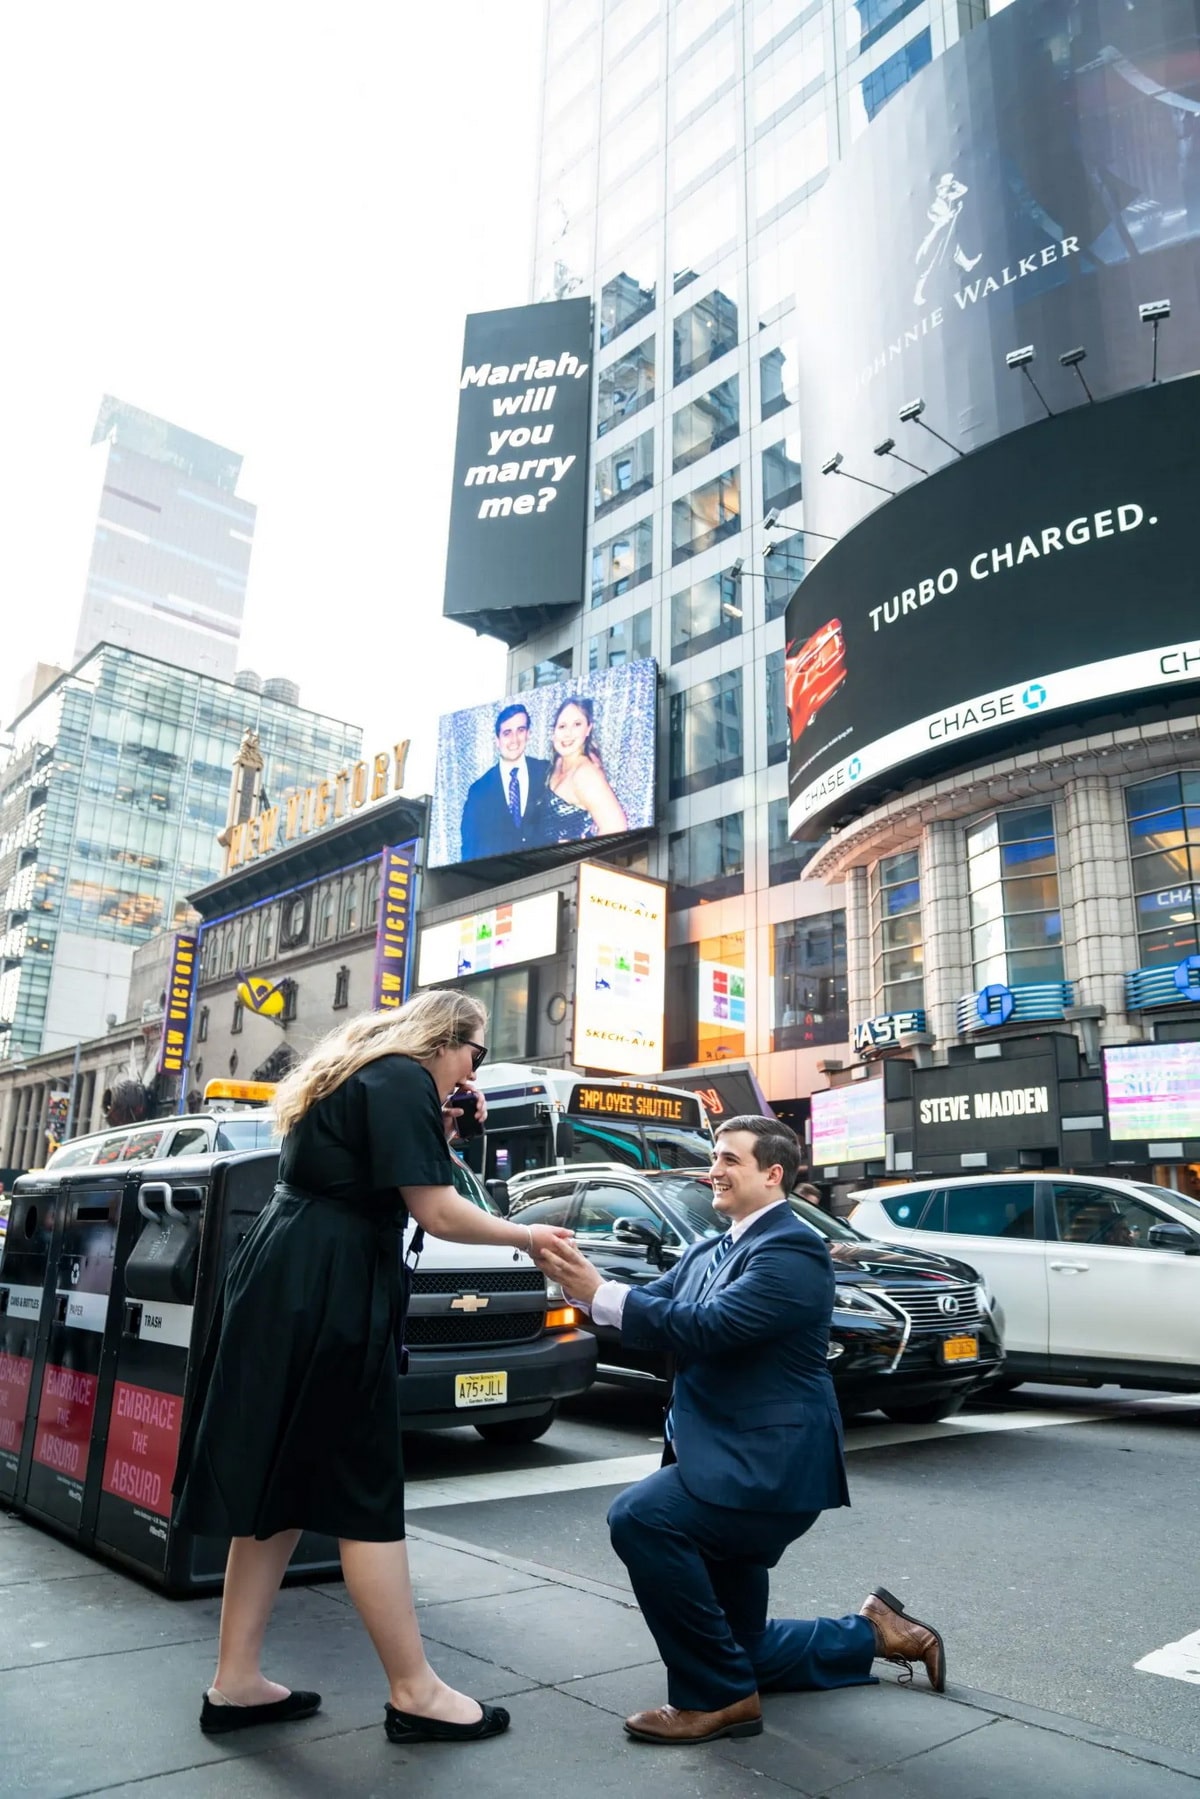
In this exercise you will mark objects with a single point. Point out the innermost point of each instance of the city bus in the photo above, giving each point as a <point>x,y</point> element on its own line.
<point>554,1117</point>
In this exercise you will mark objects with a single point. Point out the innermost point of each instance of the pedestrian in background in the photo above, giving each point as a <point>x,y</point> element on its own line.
<point>296,1424</point>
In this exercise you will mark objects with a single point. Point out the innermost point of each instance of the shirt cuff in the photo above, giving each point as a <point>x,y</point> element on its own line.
<point>608,1304</point>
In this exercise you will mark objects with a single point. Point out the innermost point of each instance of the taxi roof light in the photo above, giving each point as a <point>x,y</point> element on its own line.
<point>258,1093</point>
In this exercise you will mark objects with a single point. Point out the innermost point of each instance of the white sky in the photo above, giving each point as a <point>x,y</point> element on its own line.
<point>265,223</point>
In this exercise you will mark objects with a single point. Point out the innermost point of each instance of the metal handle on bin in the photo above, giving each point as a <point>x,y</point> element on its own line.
<point>157,1189</point>
<point>191,1197</point>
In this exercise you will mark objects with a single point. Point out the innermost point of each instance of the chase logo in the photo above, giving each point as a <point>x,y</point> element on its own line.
<point>1034,696</point>
<point>854,768</point>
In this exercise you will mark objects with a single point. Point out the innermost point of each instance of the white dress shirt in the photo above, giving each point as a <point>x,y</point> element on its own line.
<point>504,769</point>
<point>607,1305</point>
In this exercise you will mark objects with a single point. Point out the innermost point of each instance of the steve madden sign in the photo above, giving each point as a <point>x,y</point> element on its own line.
<point>986,1105</point>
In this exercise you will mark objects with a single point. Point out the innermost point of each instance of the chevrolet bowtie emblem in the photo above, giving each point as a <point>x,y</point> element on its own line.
<point>469,1302</point>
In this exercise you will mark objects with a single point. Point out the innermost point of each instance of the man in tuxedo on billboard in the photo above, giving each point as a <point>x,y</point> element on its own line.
<point>753,1455</point>
<point>502,808</point>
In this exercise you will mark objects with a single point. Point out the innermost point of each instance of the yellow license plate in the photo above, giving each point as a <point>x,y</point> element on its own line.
<point>960,1349</point>
<point>480,1389</point>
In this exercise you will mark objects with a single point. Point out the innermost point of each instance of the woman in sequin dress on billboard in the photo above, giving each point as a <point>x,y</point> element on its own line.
<point>578,800</point>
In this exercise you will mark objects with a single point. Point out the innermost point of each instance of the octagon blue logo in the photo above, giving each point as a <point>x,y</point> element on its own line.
<point>1187,976</point>
<point>1034,696</point>
<point>854,768</point>
<point>995,1004</point>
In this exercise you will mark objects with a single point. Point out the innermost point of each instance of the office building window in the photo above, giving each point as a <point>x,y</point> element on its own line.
<point>238,1014</point>
<point>787,857</point>
<point>268,931</point>
<point>341,988</point>
<point>706,613</point>
<point>783,568</point>
<point>627,641</point>
<point>629,293</point>
<point>808,961</point>
<point>622,562</point>
<point>703,144</point>
<point>897,935</point>
<point>781,473</point>
<point>791,160</point>
<point>351,906</point>
<point>777,715</point>
<point>625,473</point>
<point>703,332</point>
<point>706,862</point>
<point>202,1025</point>
<point>705,425</point>
<point>706,516</point>
<point>706,734</point>
<point>869,20</point>
<point>778,379</point>
<point>289,989</point>
<point>624,387</point>
<point>703,227</point>
<point>546,673</point>
<point>698,78</point>
<point>1164,847</point>
<point>1012,877</point>
<point>326,907</point>
<point>878,87</point>
<point>371,902</point>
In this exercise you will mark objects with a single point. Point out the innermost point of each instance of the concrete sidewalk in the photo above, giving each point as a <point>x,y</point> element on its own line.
<point>101,1679</point>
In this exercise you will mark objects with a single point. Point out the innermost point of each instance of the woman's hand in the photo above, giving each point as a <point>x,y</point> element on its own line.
<point>545,1237</point>
<point>452,1113</point>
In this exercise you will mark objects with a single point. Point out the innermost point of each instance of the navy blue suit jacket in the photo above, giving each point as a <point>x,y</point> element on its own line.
<point>756,1421</point>
<point>487,823</point>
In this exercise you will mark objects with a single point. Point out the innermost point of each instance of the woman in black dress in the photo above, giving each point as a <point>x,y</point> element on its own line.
<point>297,1422</point>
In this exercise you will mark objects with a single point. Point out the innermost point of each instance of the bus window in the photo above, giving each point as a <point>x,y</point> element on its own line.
<point>678,1149</point>
<point>517,1150</point>
<point>606,1143</point>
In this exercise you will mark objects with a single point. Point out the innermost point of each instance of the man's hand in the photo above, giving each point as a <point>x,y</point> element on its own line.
<point>567,1265</point>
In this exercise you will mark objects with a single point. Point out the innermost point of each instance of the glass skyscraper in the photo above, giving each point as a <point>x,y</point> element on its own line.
<point>109,811</point>
<point>681,142</point>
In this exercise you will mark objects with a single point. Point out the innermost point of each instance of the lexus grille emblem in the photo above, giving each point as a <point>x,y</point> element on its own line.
<point>475,1302</point>
<point>948,1304</point>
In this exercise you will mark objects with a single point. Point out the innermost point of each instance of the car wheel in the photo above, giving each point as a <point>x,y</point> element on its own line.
<point>929,1413</point>
<point>518,1430</point>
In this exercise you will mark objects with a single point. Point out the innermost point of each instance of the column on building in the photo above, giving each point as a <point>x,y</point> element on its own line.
<point>1096,890</point>
<point>946,920</point>
<point>859,977</point>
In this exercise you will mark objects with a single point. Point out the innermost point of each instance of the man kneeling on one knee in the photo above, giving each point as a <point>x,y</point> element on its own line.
<point>753,1455</point>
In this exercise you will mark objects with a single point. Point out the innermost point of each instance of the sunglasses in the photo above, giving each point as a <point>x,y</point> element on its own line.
<point>478,1052</point>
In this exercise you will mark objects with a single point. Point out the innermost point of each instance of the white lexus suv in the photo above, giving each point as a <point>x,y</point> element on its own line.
<point>1099,1278</point>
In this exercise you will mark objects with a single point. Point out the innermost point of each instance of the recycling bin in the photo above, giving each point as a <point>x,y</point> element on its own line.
<point>25,1309</point>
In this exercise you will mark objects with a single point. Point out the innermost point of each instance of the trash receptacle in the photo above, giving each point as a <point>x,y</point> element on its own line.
<point>189,1215</point>
<point>25,1309</point>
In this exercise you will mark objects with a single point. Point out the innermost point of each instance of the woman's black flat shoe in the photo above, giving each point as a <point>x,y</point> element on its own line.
<point>404,1727</point>
<point>219,1720</point>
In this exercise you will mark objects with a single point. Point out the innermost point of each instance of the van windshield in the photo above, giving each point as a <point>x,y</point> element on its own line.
<point>246,1133</point>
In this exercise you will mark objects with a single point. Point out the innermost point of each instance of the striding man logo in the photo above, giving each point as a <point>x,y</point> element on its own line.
<point>941,242</point>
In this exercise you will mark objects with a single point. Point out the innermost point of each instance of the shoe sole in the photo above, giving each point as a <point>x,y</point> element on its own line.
<point>937,1681</point>
<point>751,1729</point>
<point>225,1730</point>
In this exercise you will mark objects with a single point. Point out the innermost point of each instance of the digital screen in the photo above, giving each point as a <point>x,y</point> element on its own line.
<point>502,937</point>
<point>620,971</point>
<point>847,1124</point>
<point>1019,590</point>
<point>560,764</point>
<point>635,1102</point>
<point>519,508</point>
<point>1033,185</point>
<point>1152,1091</point>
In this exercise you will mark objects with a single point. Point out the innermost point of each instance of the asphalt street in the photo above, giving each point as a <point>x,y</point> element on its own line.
<point>1049,1536</point>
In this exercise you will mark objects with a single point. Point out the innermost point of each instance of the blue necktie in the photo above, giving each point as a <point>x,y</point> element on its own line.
<point>720,1255</point>
<point>514,797</point>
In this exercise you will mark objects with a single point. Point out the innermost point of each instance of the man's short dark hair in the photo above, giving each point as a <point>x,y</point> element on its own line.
<point>774,1142</point>
<point>511,712</point>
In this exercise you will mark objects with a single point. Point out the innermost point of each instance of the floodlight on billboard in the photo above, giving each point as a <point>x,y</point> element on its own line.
<point>559,764</point>
<point>518,514</point>
<point>620,971</point>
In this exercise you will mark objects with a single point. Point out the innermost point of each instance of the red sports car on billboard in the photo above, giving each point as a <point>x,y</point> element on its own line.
<point>813,673</point>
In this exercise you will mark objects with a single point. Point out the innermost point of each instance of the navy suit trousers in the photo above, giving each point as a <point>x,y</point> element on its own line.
<point>700,1575</point>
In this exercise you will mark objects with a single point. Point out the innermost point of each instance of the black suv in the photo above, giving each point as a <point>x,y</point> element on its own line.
<point>914,1335</point>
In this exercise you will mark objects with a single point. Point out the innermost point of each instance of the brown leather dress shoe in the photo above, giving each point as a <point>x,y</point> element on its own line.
<point>667,1724</point>
<point>904,1639</point>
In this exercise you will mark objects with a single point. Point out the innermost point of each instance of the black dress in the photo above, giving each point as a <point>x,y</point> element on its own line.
<point>296,1421</point>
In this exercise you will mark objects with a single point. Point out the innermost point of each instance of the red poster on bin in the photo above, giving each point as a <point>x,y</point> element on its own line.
<point>16,1372</point>
<point>64,1425</point>
<point>143,1447</point>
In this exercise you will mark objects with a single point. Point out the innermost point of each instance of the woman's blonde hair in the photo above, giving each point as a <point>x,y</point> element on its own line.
<point>419,1029</point>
